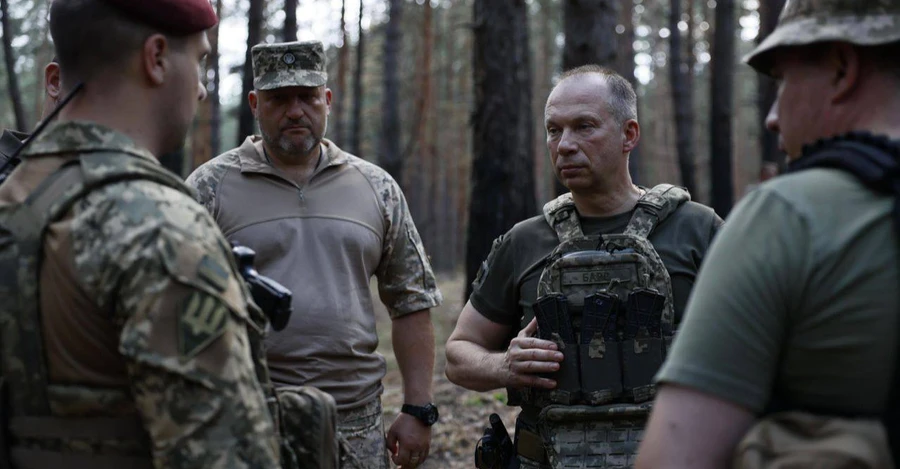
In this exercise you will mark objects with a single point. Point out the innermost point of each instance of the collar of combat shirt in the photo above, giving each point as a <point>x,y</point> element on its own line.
<point>79,137</point>
<point>253,159</point>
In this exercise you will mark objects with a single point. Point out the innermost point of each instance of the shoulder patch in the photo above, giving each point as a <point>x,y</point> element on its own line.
<point>202,320</point>
<point>486,264</point>
<point>213,273</point>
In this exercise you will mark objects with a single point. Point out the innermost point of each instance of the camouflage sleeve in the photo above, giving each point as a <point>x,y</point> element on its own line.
<point>184,327</point>
<point>205,180</point>
<point>406,281</point>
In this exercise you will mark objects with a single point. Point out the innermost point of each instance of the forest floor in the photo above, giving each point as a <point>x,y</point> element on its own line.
<point>464,414</point>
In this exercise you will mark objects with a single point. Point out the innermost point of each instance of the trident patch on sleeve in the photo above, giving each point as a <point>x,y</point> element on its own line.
<point>202,320</point>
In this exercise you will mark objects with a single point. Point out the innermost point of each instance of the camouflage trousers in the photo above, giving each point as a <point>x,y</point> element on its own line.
<point>363,428</point>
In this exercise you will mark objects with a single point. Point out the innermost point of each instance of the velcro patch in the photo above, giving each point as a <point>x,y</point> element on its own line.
<point>213,273</point>
<point>202,320</point>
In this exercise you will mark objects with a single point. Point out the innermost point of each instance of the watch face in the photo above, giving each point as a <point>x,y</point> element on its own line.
<point>430,414</point>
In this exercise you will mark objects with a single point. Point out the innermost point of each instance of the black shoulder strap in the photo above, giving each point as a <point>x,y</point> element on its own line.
<point>875,163</point>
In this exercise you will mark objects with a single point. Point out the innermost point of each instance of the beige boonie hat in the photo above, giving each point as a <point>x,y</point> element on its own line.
<point>802,22</point>
<point>288,64</point>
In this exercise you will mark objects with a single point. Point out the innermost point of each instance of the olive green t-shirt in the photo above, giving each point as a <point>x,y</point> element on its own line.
<point>798,299</point>
<point>508,283</point>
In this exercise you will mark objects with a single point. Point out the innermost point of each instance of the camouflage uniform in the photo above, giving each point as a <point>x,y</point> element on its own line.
<point>143,319</point>
<point>324,239</point>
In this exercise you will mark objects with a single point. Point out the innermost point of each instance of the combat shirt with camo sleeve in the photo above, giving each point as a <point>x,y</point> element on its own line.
<point>142,312</point>
<point>324,241</point>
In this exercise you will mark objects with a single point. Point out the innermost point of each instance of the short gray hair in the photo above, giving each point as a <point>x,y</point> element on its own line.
<point>622,98</point>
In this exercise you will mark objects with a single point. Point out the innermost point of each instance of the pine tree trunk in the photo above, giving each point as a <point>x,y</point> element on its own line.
<point>502,178</point>
<point>15,94</point>
<point>546,45</point>
<point>246,124</point>
<point>215,103</point>
<point>590,32</point>
<point>417,150</point>
<point>427,131</point>
<point>290,20</point>
<point>42,57</point>
<point>722,113</point>
<point>682,100</point>
<point>768,89</point>
<point>443,150</point>
<point>356,135</point>
<point>626,69</point>
<point>462,171</point>
<point>338,119</point>
<point>391,158</point>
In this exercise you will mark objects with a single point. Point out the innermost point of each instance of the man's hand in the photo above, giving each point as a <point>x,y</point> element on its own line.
<point>527,356</point>
<point>478,357</point>
<point>409,441</point>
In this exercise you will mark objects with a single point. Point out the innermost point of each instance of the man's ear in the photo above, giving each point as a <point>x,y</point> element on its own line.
<point>844,68</point>
<point>253,99</point>
<point>632,135</point>
<point>51,81</point>
<point>155,59</point>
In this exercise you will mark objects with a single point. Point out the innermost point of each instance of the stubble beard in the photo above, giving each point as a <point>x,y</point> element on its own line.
<point>287,146</point>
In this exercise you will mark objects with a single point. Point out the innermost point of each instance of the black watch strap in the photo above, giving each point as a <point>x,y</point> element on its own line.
<point>427,414</point>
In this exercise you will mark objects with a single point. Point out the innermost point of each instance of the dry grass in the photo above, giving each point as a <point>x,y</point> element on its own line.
<point>464,414</point>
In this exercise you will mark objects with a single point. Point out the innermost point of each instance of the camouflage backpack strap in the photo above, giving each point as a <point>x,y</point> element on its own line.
<point>654,207</point>
<point>560,214</point>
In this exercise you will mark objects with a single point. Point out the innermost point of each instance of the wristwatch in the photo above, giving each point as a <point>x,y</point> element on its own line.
<point>427,414</point>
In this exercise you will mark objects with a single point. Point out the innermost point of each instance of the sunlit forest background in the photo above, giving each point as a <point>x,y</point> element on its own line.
<point>448,95</point>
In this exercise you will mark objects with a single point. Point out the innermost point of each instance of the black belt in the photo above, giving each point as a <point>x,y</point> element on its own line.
<point>59,428</point>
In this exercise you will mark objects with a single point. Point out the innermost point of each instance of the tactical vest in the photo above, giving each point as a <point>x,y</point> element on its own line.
<point>40,434</point>
<point>606,300</point>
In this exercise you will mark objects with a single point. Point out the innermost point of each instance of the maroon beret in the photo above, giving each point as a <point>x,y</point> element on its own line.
<point>181,17</point>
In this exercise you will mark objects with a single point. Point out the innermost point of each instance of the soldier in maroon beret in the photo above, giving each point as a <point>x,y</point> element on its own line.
<point>129,339</point>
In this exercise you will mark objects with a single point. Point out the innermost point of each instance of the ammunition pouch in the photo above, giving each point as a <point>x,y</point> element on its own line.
<point>642,350</point>
<point>592,436</point>
<point>568,378</point>
<point>308,427</point>
<point>601,350</point>
<point>529,443</point>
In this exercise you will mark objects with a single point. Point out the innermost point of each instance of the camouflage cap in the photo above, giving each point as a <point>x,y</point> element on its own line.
<point>802,22</point>
<point>288,64</point>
